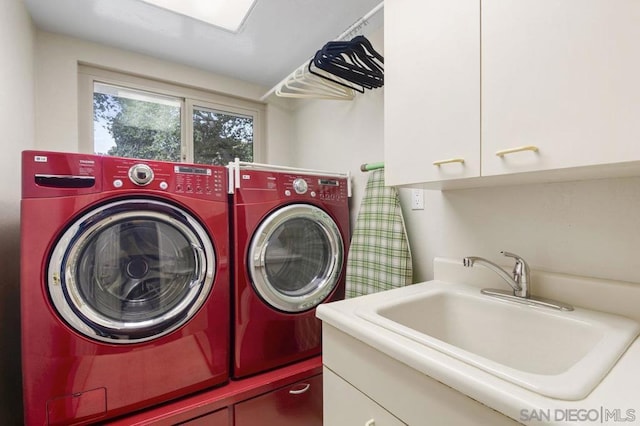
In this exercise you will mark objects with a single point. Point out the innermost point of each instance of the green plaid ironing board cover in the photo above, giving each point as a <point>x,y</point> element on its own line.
<point>379,256</point>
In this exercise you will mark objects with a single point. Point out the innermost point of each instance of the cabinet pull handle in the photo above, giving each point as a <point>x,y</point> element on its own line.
<point>504,152</point>
<point>371,422</point>
<point>305,387</point>
<point>447,161</point>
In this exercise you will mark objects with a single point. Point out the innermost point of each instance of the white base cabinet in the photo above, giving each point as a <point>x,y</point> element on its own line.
<point>362,385</point>
<point>345,405</point>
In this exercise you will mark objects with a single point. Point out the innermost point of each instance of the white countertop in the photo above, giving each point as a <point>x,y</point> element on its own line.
<point>615,400</point>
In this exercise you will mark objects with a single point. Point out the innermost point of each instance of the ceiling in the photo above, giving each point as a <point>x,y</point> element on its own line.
<point>277,36</point>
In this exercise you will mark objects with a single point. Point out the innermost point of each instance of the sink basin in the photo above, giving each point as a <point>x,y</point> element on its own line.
<point>559,354</point>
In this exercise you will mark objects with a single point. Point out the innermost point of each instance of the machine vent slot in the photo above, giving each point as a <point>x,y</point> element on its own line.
<point>65,181</point>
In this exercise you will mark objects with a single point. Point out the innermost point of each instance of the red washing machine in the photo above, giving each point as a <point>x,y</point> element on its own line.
<point>124,284</point>
<point>291,235</point>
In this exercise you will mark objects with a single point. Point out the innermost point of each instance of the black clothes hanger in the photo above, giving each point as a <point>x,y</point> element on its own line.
<point>350,67</point>
<point>367,45</point>
<point>362,46</point>
<point>344,65</point>
<point>323,74</point>
<point>355,61</point>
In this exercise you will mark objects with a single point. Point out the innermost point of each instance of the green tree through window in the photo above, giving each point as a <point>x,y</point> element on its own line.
<point>219,138</point>
<point>148,126</point>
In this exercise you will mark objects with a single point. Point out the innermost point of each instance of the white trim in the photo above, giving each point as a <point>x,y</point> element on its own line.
<point>260,166</point>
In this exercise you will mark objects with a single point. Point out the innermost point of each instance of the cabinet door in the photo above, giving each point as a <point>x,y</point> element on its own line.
<point>294,405</point>
<point>432,90</point>
<point>345,405</point>
<point>561,76</point>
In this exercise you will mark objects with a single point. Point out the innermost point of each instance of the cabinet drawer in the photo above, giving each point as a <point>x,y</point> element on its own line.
<point>217,418</point>
<point>293,405</point>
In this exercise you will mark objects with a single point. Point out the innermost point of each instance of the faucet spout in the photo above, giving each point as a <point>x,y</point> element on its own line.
<point>470,261</point>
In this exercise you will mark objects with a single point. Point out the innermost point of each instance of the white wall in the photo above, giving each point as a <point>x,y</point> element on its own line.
<point>339,136</point>
<point>57,59</point>
<point>17,124</point>
<point>279,132</point>
<point>588,228</point>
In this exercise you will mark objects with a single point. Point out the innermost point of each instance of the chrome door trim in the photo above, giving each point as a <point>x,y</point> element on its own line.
<point>257,252</point>
<point>68,300</point>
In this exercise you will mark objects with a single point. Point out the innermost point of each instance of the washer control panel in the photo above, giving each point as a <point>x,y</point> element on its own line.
<point>194,180</point>
<point>300,186</point>
<point>141,174</point>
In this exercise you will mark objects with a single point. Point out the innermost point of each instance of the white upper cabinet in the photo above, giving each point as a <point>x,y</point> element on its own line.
<point>562,76</point>
<point>432,90</point>
<point>551,86</point>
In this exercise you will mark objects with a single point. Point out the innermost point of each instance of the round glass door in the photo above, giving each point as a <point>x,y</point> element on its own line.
<point>131,271</point>
<point>295,257</point>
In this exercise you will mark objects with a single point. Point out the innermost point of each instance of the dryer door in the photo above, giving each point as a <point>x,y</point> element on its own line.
<point>295,257</point>
<point>131,271</point>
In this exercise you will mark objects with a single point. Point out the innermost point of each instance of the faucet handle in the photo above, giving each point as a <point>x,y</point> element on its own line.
<point>520,272</point>
<point>520,262</point>
<point>509,254</point>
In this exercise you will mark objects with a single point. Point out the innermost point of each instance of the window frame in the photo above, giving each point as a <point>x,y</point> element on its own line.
<point>191,97</point>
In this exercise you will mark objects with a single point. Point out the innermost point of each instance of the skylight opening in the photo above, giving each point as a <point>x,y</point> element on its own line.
<point>226,14</point>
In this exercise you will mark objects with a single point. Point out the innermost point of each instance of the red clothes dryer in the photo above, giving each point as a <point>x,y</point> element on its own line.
<point>290,231</point>
<point>124,284</point>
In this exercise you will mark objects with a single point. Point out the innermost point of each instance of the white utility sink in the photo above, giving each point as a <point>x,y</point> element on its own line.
<point>559,354</point>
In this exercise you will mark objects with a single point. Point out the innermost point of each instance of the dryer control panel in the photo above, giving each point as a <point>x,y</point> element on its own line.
<point>264,185</point>
<point>322,188</point>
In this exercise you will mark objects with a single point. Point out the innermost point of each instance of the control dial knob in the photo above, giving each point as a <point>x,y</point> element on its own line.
<point>141,174</point>
<point>300,186</point>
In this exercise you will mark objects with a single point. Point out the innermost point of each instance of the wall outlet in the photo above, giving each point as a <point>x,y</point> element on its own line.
<point>417,199</point>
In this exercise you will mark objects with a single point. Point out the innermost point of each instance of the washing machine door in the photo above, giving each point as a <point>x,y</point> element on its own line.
<point>131,271</point>
<point>295,257</point>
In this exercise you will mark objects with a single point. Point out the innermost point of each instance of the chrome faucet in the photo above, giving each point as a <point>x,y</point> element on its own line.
<point>519,282</point>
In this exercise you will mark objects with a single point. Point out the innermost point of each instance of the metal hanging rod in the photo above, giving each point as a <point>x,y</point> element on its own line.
<point>353,28</point>
<point>367,167</point>
<point>360,22</point>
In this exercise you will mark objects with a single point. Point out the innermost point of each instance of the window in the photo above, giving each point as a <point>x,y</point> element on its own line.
<point>219,137</point>
<point>127,116</point>
<point>132,123</point>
